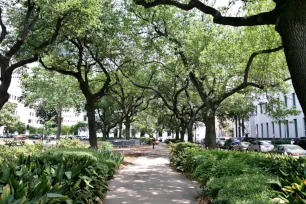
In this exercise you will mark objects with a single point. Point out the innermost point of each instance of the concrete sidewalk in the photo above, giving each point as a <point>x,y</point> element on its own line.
<point>150,180</point>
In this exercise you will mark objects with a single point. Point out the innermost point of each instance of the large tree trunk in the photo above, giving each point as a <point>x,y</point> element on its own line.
<point>6,78</point>
<point>210,134</point>
<point>107,133</point>
<point>90,108</point>
<point>127,129</point>
<point>243,127</point>
<point>182,133</point>
<point>120,130</point>
<point>239,125</point>
<point>104,132</point>
<point>292,28</point>
<point>59,123</point>
<point>177,134</point>
<point>190,130</point>
<point>236,127</point>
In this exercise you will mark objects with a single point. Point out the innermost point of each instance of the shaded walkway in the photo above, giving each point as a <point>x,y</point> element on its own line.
<point>150,180</point>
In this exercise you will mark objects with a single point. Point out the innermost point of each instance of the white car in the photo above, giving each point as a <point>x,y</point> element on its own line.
<point>261,146</point>
<point>83,137</point>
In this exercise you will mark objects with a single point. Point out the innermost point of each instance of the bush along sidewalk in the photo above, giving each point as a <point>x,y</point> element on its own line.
<point>61,175</point>
<point>242,177</point>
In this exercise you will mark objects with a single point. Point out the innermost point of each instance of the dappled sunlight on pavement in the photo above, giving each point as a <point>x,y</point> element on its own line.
<point>150,180</point>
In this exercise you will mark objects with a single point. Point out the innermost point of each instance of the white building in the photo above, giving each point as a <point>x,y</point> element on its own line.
<point>262,126</point>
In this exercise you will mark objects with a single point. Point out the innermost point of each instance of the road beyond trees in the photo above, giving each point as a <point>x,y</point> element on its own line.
<point>151,180</point>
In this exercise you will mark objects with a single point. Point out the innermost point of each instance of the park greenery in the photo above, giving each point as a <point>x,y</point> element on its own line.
<point>148,67</point>
<point>242,177</point>
<point>66,173</point>
<point>121,61</point>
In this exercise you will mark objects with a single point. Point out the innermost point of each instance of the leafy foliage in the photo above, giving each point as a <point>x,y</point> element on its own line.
<point>29,174</point>
<point>242,177</point>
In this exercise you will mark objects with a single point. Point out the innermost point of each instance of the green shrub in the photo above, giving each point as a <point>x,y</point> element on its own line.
<point>169,141</point>
<point>145,140</point>
<point>235,177</point>
<point>69,143</point>
<point>247,188</point>
<point>69,175</point>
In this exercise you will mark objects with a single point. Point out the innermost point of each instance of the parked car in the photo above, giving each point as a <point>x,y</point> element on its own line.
<point>51,137</point>
<point>242,146</point>
<point>83,137</point>
<point>230,143</point>
<point>291,150</point>
<point>37,137</point>
<point>220,144</point>
<point>20,137</point>
<point>261,146</point>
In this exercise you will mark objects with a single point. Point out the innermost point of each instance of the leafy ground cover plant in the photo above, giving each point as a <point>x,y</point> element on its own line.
<point>58,175</point>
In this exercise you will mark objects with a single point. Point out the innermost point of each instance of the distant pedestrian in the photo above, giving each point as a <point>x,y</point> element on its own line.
<point>153,142</point>
<point>292,142</point>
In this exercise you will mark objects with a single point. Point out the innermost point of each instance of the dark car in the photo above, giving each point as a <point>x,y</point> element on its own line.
<point>220,144</point>
<point>37,137</point>
<point>230,143</point>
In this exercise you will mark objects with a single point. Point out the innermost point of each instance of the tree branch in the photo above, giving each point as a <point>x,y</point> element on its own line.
<point>54,35</point>
<point>250,61</point>
<point>265,18</point>
<point>150,88</point>
<point>65,72</point>
<point>22,63</point>
<point>26,29</point>
<point>3,28</point>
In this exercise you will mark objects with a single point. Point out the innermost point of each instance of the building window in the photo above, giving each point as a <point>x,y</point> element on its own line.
<point>262,132</point>
<point>29,121</point>
<point>261,108</point>
<point>257,130</point>
<point>267,125</point>
<point>287,129</point>
<point>293,99</point>
<point>256,111</point>
<point>273,129</point>
<point>286,101</point>
<point>280,129</point>
<point>296,128</point>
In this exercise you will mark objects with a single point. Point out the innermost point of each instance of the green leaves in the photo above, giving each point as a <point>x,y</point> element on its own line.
<point>61,175</point>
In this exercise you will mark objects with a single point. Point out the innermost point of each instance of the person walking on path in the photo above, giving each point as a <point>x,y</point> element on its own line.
<point>153,142</point>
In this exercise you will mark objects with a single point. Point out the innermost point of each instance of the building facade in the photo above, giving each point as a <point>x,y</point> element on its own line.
<point>262,126</point>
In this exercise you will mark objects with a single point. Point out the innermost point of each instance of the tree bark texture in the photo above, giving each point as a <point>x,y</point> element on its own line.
<point>183,131</point>
<point>243,127</point>
<point>59,123</point>
<point>190,131</point>
<point>5,83</point>
<point>236,127</point>
<point>120,130</point>
<point>90,108</point>
<point>127,129</point>
<point>177,134</point>
<point>210,133</point>
<point>292,28</point>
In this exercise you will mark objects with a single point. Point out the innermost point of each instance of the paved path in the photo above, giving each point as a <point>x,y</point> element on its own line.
<point>150,180</point>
